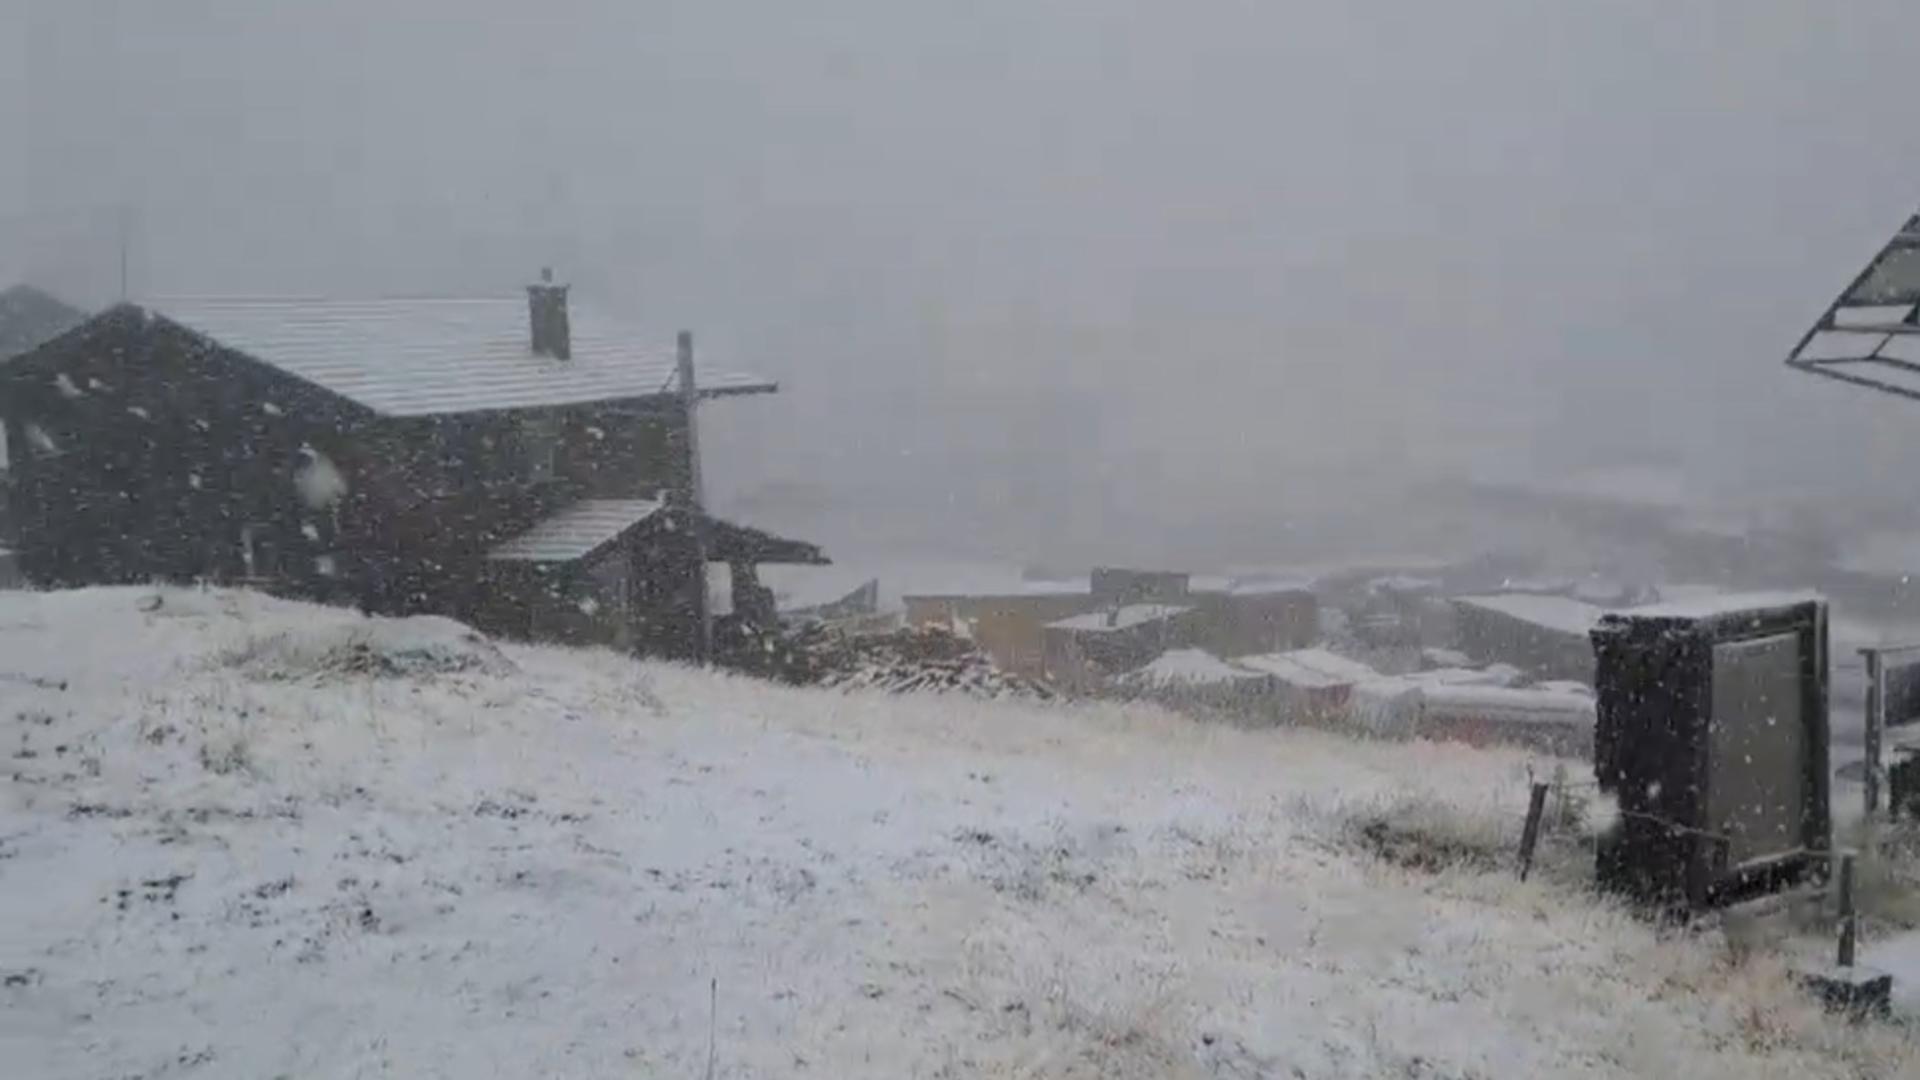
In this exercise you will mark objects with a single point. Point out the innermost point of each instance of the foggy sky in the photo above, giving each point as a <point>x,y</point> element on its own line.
<point>1102,277</point>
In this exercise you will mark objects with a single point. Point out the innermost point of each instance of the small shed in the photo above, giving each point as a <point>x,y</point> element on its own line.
<point>621,572</point>
<point>1197,678</point>
<point>1545,636</point>
<point>1084,651</point>
<point>1311,684</point>
<point>1250,618</point>
<point>1558,721</point>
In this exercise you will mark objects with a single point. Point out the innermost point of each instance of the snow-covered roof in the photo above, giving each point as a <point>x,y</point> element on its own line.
<point>423,357</point>
<point>1121,618</point>
<point>1189,667</point>
<point>577,531</point>
<point>1310,668</point>
<point>1498,675</point>
<point>1559,613</point>
<point>1707,607</point>
<point>1531,703</point>
<point>1563,686</point>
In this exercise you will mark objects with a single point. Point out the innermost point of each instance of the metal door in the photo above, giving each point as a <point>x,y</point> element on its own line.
<point>1757,745</point>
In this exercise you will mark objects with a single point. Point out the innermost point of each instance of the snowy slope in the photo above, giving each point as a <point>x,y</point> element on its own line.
<point>250,838</point>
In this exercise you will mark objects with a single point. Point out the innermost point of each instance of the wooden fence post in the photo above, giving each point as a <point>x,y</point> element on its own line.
<point>1876,722</point>
<point>1530,836</point>
<point>1849,920</point>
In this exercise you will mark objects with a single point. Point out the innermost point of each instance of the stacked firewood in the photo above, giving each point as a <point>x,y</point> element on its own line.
<point>914,660</point>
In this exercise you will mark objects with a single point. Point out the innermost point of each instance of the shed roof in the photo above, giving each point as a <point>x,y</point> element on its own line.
<point>588,526</point>
<point>1122,618</point>
<point>423,357</point>
<point>1187,666</point>
<point>1709,607</point>
<point>1492,675</point>
<point>1557,613</point>
<point>576,532</point>
<point>1531,703</point>
<point>1310,668</point>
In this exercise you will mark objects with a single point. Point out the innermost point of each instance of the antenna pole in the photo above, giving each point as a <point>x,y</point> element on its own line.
<point>693,495</point>
<point>124,214</point>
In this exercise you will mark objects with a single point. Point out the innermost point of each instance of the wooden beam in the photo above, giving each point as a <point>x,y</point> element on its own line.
<point>711,392</point>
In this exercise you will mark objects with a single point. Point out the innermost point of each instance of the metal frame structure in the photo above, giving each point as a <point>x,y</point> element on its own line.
<point>1870,335</point>
<point>1880,718</point>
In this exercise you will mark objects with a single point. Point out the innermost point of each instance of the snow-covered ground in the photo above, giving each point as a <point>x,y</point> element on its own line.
<point>242,837</point>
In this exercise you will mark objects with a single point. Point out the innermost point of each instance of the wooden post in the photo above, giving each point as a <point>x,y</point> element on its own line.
<point>693,495</point>
<point>1849,920</point>
<point>1876,723</point>
<point>1530,836</point>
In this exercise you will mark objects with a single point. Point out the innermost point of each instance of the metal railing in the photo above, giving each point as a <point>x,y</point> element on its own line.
<point>1878,660</point>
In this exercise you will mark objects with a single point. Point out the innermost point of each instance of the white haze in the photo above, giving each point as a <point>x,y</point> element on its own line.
<point>1168,281</point>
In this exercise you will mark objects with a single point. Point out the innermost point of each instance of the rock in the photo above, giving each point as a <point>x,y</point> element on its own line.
<point>1859,992</point>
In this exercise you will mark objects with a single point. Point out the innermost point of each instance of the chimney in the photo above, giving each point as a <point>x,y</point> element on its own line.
<point>547,315</point>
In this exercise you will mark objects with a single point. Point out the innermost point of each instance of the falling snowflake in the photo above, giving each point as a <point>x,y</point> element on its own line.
<point>319,483</point>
